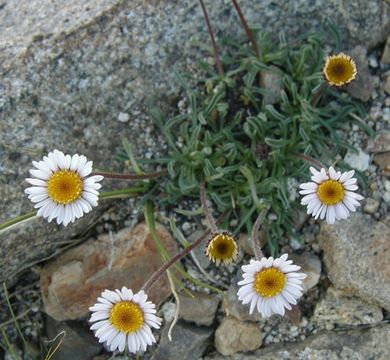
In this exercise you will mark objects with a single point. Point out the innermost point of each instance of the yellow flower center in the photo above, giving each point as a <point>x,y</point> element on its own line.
<point>127,316</point>
<point>330,192</point>
<point>270,282</point>
<point>222,247</point>
<point>65,186</point>
<point>340,69</point>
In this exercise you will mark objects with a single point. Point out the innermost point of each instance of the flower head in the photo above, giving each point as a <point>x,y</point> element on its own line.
<point>222,247</point>
<point>330,195</point>
<point>271,285</point>
<point>124,319</point>
<point>61,187</point>
<point>339,69</point>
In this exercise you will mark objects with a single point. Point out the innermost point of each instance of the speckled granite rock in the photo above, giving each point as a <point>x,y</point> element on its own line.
<point>339,308</point>
<point>71,68</point>
<point>356,255</point>
<point>359,344</point>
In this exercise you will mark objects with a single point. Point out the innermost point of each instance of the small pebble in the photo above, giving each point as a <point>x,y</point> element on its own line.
<point>386,196</point>
<point>123,117</point>
<point>387,185</point>
<point>373,62</point>
<point>186,226</point>
<point>371,206</point>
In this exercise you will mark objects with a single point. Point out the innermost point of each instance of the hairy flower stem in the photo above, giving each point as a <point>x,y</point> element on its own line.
<point>248,31</point>
<point>206,210</point>
<point>316,163</point>
<point>177,257</point>
<point>109,175</point>
<point>217,56</point>
<point>255,235</point>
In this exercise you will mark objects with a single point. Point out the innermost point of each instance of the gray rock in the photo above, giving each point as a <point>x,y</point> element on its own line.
<point>199,309</point>
<point>234,336</point>
<point>358,344</point>
<point>356,257</point>
<point>339,308</point>
<point>236,308</point>
<point>363,86</point>
<point>188,341</point>
<point>69,67</point>
<point>310,265</point>
<point>78,342</point>
<point>199,251</point>
<point>359,161</point>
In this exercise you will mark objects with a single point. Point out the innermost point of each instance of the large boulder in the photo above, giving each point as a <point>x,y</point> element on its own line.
<point>76,75</point>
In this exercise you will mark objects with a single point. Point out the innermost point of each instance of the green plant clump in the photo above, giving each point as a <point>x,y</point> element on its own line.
<point>244,138</point>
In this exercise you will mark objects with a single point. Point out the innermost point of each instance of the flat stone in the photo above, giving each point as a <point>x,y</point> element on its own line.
<point>189,342</point>
<point>359,161</point>
<point>234,336</point>
<point>310,265</point>
<point>77,342</point>
<point>356,255</point>
<point>338,308</point>
<point>199,309</point>
<point>72,282</point>
<point>357,344</point>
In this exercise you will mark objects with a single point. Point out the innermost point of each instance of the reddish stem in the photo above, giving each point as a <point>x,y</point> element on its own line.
<point>177,257</point>
<point>248,31</point>
<point>215,47</point>
<point>110,175</point>
<point>206,210</point>
<point>318,164</point>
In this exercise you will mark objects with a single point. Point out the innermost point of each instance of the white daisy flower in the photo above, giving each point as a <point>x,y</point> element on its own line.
<point>61,187</point>
<point>331,194</point>
<point>124,318</point>
<point>270,285</point>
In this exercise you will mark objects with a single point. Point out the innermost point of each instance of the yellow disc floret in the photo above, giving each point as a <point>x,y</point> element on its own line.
<point>127,316</point>
<point>270,282</point>
<point>222,247</point>
<point>330,192</point>
<point>340,69</point>
<point>65,186</point>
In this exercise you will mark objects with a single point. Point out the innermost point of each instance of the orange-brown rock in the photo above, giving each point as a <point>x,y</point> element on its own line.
<point>71,283</point>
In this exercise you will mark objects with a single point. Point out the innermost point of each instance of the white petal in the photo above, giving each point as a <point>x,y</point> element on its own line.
<point>37,182</point>
<point>74,163</point>
<point>346,176</point>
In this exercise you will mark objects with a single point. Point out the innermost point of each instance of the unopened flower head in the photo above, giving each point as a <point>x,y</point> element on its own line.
<point>222,248</point>
<point>330,195</point>
<point>61,187</point>
<point>270,285</point>
<point>123,319</point>
<point>339,69</point>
